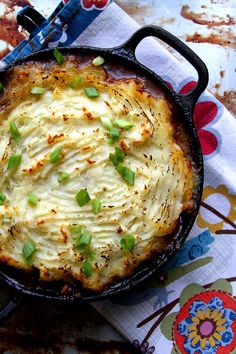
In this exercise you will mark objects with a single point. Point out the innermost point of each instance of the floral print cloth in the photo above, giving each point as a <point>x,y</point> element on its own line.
<point>190,306</point>
<point>208,326</point>
<point>206,111</point>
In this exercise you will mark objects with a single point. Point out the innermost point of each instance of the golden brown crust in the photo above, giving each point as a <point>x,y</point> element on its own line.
<point>156,148</point>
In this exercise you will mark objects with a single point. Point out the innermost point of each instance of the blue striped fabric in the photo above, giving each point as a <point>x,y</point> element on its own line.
<point>65,24</point>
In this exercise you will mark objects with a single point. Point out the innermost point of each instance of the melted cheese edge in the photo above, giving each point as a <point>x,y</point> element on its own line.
<point>149,210</point>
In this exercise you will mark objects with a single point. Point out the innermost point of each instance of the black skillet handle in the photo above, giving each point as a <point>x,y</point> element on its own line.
<point>128,49</point>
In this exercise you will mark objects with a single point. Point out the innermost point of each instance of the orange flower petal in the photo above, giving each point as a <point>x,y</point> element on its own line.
<point>220,328</point>
<point>192,327</point>
<point>217,335</point>
<point>195,340</point>
<point>195,320</point>
<point>221,321</point>
<point>218,317</point>
<point>200,315</point>
<point>212,341</point>
<point>214,313</point>
<point>192,334</point>
<point>203,343</point>
<point>207,313</point>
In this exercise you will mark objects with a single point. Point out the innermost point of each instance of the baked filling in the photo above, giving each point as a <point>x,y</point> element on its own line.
<point>92,177</point>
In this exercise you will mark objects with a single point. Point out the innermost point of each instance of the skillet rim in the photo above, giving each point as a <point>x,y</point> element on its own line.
<point>145,271</point>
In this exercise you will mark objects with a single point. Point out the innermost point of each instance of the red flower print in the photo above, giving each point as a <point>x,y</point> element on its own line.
<point>206,324</point>
<point>188,87</point>
<point>204,113</point>
<point>94,4</point>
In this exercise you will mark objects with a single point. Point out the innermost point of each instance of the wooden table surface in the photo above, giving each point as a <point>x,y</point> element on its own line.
<point>207,26</point>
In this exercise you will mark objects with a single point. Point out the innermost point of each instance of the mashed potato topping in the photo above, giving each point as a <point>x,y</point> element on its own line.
<point>139,197</point>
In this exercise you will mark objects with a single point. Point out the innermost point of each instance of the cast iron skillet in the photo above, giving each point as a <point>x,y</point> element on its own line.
<point>125,54</point>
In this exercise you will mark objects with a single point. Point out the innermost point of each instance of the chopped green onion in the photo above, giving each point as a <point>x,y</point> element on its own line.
<point>96,205</point>
<point>113,159</point>
<point>58,55</point>
<point>119,154</point>
<point>14,132</point>
<point>38,90</point>
<point>115,134</point>
<point>76,82</point>
<point>32,199</point>
<point>127,243</point>
<point>117,157</point>
<point>1,86</point>
<point>14,161</point>
<point>124,124</point>
<point>56,154</point>
<point>76,229</point>
<point>91,256</point>
<point>126,173</point>
<point>84,240</point>
<point>63,177</point>
<point>98,61</point>
<point>82,197</point>
<point>106,122</point>
<point>2,198</point>
<point>28,250</point>
<point>87,268</point>
<point>91,92</point>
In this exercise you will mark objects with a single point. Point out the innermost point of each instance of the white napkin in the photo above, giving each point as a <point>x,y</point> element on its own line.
<point>206,256</point>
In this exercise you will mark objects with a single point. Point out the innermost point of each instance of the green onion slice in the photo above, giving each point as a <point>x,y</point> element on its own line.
<point>14,161</point>
<point>32,199</point>
<point>115,134</point>
<point>14,132</point>
<point>96,205</point>
<point>119,154</point>
<point>91,92</point>
<point>126,173</point>
<point>123,123</point>
<point>76,229</point>
<point>91,256</point>
<point>84,240</point>
<point>38,90</point>
<point>2,198</point>
<point>106,122</point>
<point>87,268</point>
<point>1,87</point>
<point>58,55</point>
<point>113,159</point>
<point>76,82</point>
<point>63,177</point>
<point>82,197</point>
<point>98,61</point>
<point>28,250</point>
<point>127,243</point>
<point>117,157</point>
<point>56,154</point>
